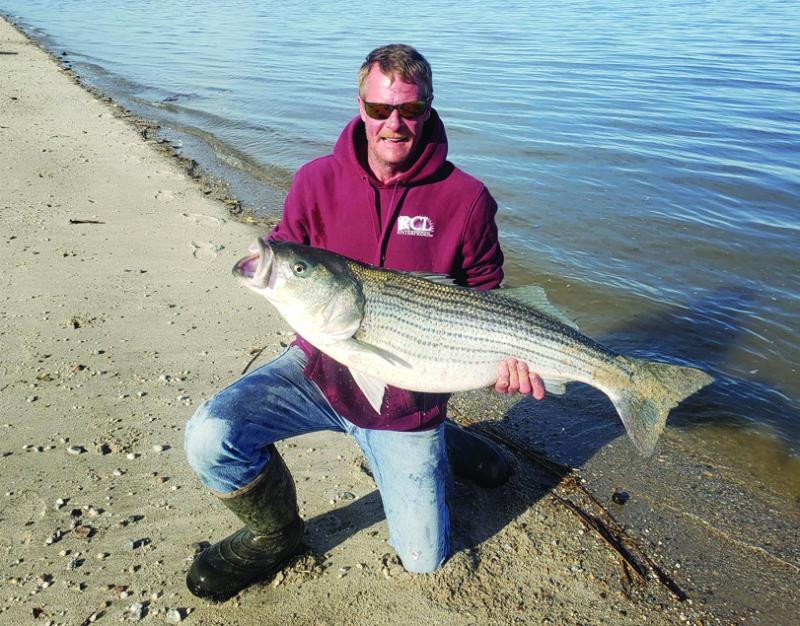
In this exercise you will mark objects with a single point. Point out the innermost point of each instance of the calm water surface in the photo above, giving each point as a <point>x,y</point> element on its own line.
<point>644,155</point>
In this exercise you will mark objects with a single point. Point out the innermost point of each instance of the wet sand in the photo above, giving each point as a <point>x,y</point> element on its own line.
<point>119,316</point>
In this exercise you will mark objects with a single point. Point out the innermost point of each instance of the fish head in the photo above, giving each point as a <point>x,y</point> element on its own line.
<point>313,289</point>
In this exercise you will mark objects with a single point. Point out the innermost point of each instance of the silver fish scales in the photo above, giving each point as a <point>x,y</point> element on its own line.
<point>450,328</point>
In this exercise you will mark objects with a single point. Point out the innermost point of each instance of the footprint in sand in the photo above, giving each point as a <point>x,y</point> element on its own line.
<point>164,195</point>
<point>204,220</point>
<point>206,250</point>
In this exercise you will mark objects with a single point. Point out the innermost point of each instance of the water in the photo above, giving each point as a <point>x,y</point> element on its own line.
<point>644,155</point>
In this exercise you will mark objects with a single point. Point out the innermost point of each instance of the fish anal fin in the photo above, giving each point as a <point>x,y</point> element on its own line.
<point>556,387</point>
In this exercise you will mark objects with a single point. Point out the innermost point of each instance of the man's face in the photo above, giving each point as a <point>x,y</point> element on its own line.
<point>391,143</point>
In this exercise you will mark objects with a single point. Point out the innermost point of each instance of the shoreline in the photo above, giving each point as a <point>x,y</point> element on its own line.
<point>118,329</point>
<point>765,444</point>
<point>212,186</point>
<point>762,442</point>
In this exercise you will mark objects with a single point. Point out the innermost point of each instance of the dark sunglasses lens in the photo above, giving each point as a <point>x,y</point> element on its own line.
<point>408,110</point>
<point>412,109</point>
<point>377,111</point>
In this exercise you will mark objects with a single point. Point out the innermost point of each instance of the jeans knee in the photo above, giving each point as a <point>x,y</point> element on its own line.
<point>203,439</point>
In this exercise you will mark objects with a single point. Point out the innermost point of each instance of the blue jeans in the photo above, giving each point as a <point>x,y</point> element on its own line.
<point>226,444</point>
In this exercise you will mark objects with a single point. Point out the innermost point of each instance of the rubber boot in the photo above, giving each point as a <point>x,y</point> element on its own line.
<point>474,458</point>
<point>272,533</point>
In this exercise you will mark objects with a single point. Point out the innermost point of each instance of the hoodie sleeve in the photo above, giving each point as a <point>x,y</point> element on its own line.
<point>482,258</point>
<point>293,226</point>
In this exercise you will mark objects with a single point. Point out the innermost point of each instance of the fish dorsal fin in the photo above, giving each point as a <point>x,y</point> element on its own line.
<point>441,279</point>
<point>536,297</point>
<point>371,387</point>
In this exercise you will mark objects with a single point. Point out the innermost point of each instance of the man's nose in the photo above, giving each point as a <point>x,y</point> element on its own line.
<point>394,121</point>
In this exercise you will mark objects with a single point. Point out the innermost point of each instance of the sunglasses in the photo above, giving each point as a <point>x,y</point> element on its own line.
<point>407,110</point>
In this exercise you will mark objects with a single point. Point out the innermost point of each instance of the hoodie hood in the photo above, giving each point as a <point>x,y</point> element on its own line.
<point>351,151</point>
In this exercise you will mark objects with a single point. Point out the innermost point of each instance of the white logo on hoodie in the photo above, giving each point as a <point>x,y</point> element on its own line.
<point>418,226</point>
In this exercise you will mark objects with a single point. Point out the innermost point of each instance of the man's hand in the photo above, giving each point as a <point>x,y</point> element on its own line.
<point>513,376</point>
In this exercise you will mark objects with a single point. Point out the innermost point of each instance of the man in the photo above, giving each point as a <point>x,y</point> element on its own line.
<point>386,196</point>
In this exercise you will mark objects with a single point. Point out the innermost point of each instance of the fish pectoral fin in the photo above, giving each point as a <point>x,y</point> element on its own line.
<point>362,355</point>
<point>556,387</point>
<point>372,388</point>
<point>536,297</point>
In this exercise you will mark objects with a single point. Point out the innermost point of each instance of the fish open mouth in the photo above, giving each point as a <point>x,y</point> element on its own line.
<point>254,269</point>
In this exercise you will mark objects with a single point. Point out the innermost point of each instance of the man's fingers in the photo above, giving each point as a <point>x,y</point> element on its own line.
<point>513,376</point>
<point>524,378</point>
<point>537,386</point>
<point>501,386</point>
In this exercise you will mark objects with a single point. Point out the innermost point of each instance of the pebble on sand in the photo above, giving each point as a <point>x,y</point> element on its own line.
<point>620,497</point>
<point>136,611</point>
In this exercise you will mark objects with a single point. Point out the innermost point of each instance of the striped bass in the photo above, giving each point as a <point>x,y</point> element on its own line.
<point>415,332</point>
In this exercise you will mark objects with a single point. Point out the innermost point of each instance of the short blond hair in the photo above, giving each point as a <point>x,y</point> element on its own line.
<point>400,59</point>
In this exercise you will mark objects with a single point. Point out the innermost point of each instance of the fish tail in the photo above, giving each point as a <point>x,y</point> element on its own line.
<point>653,389</point>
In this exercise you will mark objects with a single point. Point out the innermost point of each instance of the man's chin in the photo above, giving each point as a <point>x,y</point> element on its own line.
<point>395,154</point>
<point>393,160</point>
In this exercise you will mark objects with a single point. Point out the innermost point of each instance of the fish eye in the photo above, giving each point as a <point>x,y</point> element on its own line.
<point>299,268</point>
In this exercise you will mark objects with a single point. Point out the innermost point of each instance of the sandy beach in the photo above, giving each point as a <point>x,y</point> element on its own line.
<point>120,316</point>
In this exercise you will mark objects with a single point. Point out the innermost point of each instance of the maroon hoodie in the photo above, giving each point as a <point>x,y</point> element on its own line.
<point>434,218</point>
